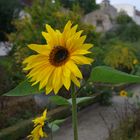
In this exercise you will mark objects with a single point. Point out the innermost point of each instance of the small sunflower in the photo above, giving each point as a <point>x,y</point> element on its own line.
<point>123,93</point>
<point>135,61</point>
<point>56,63</point>
<point>40,120</point>
<point>38,132</point>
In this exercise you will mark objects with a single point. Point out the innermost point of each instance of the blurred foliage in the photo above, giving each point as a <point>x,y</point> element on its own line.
<point>88,90</point>
<point>91,89</point>
<point>9,78</point>
<point>120,45</point>
<point>123,18</point>
<point>120,55</point>
<point>106,95</point>
<point>131,32</point>
<point>86,5</point>
<point>126,29</point>
<point>8,10</point>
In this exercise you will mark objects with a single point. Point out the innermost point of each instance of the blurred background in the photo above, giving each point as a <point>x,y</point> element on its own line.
<point>114,29</point>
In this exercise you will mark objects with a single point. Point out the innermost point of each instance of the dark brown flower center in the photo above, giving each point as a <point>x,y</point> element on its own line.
<point>58,56</point>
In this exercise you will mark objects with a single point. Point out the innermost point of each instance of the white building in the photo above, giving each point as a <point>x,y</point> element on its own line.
<point>130,10</point>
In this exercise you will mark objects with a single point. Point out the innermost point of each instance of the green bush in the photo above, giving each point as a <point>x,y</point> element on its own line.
<point>86,5</point>
<point>10,74</point>
<point>120,55</point>
<point>123,18</point>
<point>130,33</point>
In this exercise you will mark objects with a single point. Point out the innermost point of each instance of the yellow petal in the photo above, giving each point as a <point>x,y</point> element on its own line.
<point>60,39</point>
<point>66,30</point>
<point>38,69</point>
<point>30,58</point>
<point>67,26</point>
<point>66,77</point>
<point>72,43</point>
<point>42,49</point>
<point>41,133</point>
<point>87,46</point>
<point>39,74</point>
<point>49,39</point>
<point>52,33</point>
<point>80,52</point>
<point>46,76</point>
<point>48,89</point>
<point>75,80</point>
<point>78,34</point>
<point>57,83</point>
<point>49,85</point>
<point>74,69</point>
<point>81,39</point>
<point>50,29</point>
<point>45,113</point>
<point>34,58</point>
<point>71,32</point>
<point>82,60</point>
<point>36,64</point>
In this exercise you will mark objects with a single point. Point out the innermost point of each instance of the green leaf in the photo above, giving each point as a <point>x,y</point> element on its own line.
<point>58,122</point>
<point>106,74</point>
<point>23,89</point>
<point>53,127</point>
<point>58,100</point>
<point>130,94</point>
<point>80,100</point>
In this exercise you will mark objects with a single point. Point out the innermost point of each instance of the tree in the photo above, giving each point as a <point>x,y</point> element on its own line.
<point>86,5</point>
<point>8,10</point>
<point>123,18</point>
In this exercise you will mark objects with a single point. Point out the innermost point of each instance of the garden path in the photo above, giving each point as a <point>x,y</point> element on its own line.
<point>90,123</point>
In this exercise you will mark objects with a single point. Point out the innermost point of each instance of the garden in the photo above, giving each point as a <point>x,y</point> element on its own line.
<point>60,74</point>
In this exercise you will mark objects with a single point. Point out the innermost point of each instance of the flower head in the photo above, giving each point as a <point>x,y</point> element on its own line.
<point>40,120</point>
<point>38,132</point>
<point>56,63</point>
<point>135,61</point>
<point>123,93</point>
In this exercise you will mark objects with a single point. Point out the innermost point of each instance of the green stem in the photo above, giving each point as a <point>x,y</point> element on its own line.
<point>51,133</point>
<point>74,113</point>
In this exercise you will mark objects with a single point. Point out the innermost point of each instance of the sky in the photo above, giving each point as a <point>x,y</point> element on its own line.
<point>132,2</point>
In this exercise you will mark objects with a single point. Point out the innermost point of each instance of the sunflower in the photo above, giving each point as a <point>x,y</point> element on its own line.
<point>56,63</point>
<point>123,93</point>
<point>38,132</point>
<point>41,120</point>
